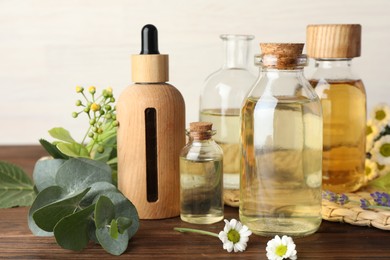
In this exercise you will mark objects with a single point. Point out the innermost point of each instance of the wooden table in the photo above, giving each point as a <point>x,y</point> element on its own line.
<point>156,239</point>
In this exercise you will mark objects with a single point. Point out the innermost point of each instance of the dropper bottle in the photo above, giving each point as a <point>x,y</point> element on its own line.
<point>151,115</point>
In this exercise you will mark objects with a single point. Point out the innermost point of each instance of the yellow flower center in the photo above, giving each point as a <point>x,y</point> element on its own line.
<point>233,236</point>
<point>368,171</point>
<point>380,115</point>
<point>368,130</point>
<point>95,107</point>
<point>281,250</point>
<point>385,150</point>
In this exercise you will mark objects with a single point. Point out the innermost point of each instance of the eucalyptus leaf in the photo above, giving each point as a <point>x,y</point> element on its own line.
<point>124,208</point>
<point>113,246</point>
<point>104,212</point>
<point>45,172</point>
<point>97,189</point>
<point>62,134</point>
<point>80,173</point>
<point>114,229</point>
<point>45,197</point>
<point>73,150</point>
<point>123,224</point>
<point>16,188</point>
<point>71,232</point>
<point>47,217</point>
<point>52,149</point>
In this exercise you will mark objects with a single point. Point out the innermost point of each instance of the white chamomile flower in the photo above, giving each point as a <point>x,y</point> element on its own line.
<point>234,236</point>
<point>381,115</point>
<point>371,171</point>
<point>281,248</point>
<point>314,180</point>
<point>381,151</point>
<point>372,132</point>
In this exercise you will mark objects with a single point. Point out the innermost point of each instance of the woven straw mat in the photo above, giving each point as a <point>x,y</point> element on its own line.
<point>350,213</point>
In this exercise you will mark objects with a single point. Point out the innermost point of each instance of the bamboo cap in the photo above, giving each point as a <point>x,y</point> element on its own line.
<point>333,40</point>
<point>150,68</point>
<point>281,55</point>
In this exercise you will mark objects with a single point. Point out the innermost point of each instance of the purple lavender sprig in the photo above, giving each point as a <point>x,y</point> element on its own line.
<point>334,197</point>
<point>381,198</point>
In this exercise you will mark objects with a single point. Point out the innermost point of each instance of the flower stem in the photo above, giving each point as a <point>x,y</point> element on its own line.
<point>196,231</point>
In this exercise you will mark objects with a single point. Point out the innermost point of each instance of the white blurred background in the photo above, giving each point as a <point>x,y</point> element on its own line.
<point>47,47</point>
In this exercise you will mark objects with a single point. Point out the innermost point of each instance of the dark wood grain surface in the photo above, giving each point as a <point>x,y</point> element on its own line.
<point>157,239</point>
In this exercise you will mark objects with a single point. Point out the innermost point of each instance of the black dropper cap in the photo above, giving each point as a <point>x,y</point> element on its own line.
<point>149,40</point>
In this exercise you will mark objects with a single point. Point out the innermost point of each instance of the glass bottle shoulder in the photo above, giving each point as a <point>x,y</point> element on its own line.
<point>204,150</point>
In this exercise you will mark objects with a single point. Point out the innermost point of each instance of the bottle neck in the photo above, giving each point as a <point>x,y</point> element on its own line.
<point>236,50</point>
<point>334,69</point>
<point>279,73</point>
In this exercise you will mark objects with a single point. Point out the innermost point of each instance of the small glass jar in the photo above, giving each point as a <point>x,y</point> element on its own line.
<point>343,99</point>
<point>221,100</point>
<point>201,176</point>
<point>281,147</point>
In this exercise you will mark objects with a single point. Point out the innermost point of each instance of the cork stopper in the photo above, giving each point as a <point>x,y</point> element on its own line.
<point>333,40</point>
<point>282,55</point>
<point>201,130</point>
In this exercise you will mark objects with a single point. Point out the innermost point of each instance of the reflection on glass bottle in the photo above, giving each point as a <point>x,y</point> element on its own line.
<point>201,178</point>
<point>343,100</point>
<point>221,99</point>
<point>281,147</point>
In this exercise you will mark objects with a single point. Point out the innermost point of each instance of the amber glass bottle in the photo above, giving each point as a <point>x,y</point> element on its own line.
<point>343,100</point>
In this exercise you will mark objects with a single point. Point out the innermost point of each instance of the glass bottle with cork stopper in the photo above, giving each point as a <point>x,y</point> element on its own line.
<point>201,176</point>
<point>281,147</point>
<point>343,99</point>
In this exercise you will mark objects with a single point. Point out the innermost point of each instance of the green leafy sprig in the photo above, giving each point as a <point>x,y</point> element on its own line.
<point>16,188</point>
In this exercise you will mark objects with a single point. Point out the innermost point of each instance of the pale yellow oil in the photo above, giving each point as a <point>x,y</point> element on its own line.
<point>201,191</point>
<point>227,126</point>
<point>344,115</point>
<point>280,189</point>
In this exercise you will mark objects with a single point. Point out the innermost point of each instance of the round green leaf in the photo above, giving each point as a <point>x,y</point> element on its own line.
<point>71,232</point>
<point>124,208</point>
<point>104,212</point>
<point>48,216</point>
<point>45,172</point>
<point>80,173</point>
<point>113,246</point>
<point>44,198</point>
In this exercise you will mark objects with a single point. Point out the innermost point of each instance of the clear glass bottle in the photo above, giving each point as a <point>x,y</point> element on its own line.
<point>281,147</point>
<point>343,99</point>
<point>222,97</point>
<point>201,176</point>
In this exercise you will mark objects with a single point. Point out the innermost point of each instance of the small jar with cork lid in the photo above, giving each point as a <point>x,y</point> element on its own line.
<point>201,176</point>
<point>281,147</point>
<point>343,99</point>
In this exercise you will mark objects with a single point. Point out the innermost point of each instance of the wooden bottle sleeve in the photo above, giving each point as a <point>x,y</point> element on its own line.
<point>168,104</point>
